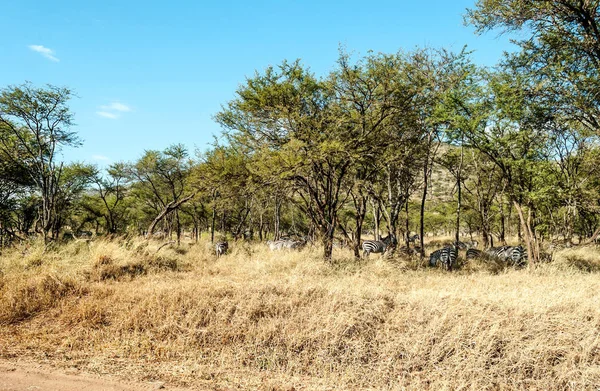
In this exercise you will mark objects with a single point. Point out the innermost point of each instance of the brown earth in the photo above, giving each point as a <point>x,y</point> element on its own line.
<point>23,376</point>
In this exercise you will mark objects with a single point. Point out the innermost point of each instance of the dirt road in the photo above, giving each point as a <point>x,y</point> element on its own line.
<point>32,377</point>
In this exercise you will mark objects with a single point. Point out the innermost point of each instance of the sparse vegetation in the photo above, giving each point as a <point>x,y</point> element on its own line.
<point>256,319</point>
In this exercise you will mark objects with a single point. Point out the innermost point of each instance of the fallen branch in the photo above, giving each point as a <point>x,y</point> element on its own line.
<point>163,245</point>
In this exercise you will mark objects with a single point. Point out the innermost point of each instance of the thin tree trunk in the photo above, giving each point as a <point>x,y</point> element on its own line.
<point>178,227</point>
<point>377,218</point>
<point>407,225</point>
<point>423,199</point>
<point>277,219</point>
<point>328,243</point>
<point>532,254</point>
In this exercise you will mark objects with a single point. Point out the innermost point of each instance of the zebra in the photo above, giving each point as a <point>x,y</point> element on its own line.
<point>448,257</point>
<point>434,257</point>
<point>514,254</point>
<point>500,253</point>
<point>378,246</point>
<point>473,253</point>
<point>472,244</point>
<point>221,248</point>
<point>413,238</point>
<point>517,255</point>
<point>445,256</point>
<point>285,243</point>
<point>298,244</point>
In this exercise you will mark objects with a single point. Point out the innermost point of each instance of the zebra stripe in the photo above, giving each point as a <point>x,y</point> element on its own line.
<point>513,254</point>
<point>221,248</point>
<point>517,255</point>
<point>445,256</point>
<point>448,257</point>
<point>500,253</point>
<point>473,253</point>
<point>434,258</point>
<point>378,246</point>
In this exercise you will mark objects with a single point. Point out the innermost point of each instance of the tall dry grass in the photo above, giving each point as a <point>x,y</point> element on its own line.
<point>280,321</point>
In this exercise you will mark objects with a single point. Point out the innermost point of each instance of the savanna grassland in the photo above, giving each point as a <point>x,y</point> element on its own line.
<point>255,319</point>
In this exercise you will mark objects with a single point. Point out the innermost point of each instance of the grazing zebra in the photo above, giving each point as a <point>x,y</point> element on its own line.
<point>448,257</point>
<point>285,244</point>
<point>514,254</point>
<point>445,256</point>
<point>471,244</point>
<point>500,253</point>
<point>434,257</point>
<point>378,246</point>
<point>473,253</point>
<point>517,255</point>
<point>221,248</point>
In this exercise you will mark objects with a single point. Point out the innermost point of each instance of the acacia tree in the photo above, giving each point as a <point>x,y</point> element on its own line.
<point>162,181</point>
<point>285,117</point>
<point>34,124</point>
<point>15,187</point>
<point>484,184</point>
<point>513,135</point>
<point>371,97</point>
<point>108,202</point>
<point>560,49</point>
<point>73,183</point>
<point>223,176</point>
<point>435,75</point>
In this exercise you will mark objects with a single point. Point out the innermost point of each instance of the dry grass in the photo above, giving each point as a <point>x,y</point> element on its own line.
<point>586,259</point>
<point>280,321</point>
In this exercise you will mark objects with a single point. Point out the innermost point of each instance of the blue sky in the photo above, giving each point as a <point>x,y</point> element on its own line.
<point>148,75</point>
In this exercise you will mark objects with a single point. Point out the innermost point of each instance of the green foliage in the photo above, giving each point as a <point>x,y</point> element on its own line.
<point>382,141</point>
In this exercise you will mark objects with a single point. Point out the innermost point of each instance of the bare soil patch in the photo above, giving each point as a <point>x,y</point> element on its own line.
<point>29,376</point>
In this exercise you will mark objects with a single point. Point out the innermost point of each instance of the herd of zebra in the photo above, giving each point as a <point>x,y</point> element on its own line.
<point>445,257</point>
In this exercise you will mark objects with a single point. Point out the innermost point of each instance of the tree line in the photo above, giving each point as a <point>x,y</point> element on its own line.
<point>418,141</point>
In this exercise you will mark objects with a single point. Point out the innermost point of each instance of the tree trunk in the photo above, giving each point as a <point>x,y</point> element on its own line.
<point>178,227</point>
<point>423,199</point>
<point>360,204</point>
<point>277,219</point>
<point>327,243</point>
<point>407,225</point>
<point>530,241</point>
<point>212,224</point>
<point>377,218</point>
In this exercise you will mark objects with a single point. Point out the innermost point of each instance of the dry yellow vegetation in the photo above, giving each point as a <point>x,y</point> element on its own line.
<point>285,320</point>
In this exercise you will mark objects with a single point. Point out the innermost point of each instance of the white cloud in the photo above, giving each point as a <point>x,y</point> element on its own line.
<point>44,51</point>
<point>116,106</point>
<point>100,157</point>
<point>106,114</point>
<point>113,110</point>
